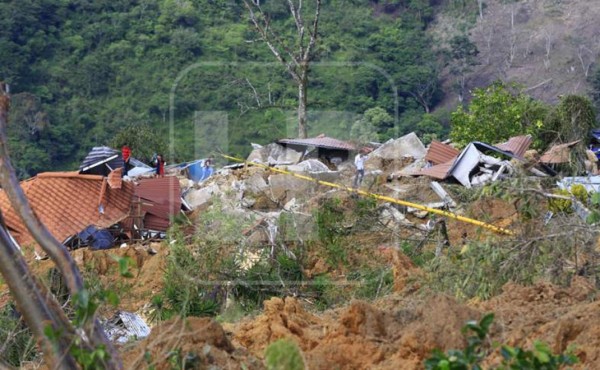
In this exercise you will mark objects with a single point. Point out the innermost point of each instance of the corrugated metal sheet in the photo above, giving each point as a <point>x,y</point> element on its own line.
<point>162,196</point>
<point>320,142</point>
<point>439,153</point>
<point>439,171</point>
<point>559,153</point>
<point>67,202</point>
<point>517,145</point>
<point>99,154</point>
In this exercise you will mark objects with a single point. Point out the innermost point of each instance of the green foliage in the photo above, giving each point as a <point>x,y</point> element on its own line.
<point>495,114</point>
<point>430,128</point>
<point>594,217</point>
<point>183,293</point>
<point>470,358</point>
<point>283,354</point>
<point>92,69</point>
<point>540,357</point>
<point>478,347</point>
<point>329,217</point>
<point>142,140</point>
<point>476,271</point>
<point>19,343</point>
<point>374,282</point>
<point>481,268</point>
<point>557,205</point>
<point>572,119</point>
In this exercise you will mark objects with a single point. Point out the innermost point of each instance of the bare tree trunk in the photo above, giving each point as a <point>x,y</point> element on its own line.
<point>40,308</point>
<point>295,59</point>
<point>302,99</point>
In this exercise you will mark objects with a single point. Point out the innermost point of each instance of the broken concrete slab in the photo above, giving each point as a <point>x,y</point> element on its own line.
<point>407,145</point>
<point>126,326</point>
<point>285,187</point>
<point>200,198</point>
<point>310,165</point>
<point>274,154</point>
<point>256,183</point>
<point>443,194</point>
<point>391,217</point>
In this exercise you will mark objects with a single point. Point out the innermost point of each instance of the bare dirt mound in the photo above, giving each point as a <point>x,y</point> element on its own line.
<point>102,267</point>
<point>196,343</point>
<point>360,335</point>
<point>561,317</point>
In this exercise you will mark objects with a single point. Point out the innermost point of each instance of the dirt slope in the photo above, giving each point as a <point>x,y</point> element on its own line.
<point>549,46</point>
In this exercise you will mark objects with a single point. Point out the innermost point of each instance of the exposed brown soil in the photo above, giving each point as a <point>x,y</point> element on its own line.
<point>196,343</point>
<point>400,331</point>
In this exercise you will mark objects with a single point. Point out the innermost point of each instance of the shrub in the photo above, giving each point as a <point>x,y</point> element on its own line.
<point>478,348</point>
<point>283,355</point>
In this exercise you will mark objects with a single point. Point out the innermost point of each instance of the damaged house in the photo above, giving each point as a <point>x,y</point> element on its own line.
<point>472,166</point>
<point>98,207</point>
<point>328,149</point>
<point>68,203</point>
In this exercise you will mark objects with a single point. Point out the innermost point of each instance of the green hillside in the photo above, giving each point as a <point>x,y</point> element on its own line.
<point>81,70</point>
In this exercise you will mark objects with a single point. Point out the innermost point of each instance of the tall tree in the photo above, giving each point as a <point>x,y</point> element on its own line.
<point>295,57</point>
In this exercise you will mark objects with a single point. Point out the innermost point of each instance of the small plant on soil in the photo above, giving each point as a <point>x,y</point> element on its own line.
<point>479,346</point>
<point>283,355</point>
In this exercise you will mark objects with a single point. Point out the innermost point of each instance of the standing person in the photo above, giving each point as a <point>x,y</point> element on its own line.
<point>160,166</point>
<point>359,162</point>
<point>208,167</point>
<point>126,153</point>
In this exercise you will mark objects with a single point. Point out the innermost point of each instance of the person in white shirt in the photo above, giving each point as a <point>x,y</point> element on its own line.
<point>359,162</point>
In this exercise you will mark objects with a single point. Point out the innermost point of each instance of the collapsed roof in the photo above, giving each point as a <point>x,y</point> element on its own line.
<point>160,200</point>
<point>101,160</point>
<point>447,161</point>
<point>68,202</point>
<point>320,141</point>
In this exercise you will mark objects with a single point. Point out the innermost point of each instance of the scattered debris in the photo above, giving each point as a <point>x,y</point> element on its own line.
<point>126,326</point>
<point>559,153</point>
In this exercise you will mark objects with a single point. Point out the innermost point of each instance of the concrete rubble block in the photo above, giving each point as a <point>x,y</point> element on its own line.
<point>310,165</point>
<point>256,183</point>
<point>274,154</point>
<point>202,197</point>
<point>407,146</point>
<point>285,187</point>
<point>329,176</point>
<point>248,202</point>
<point>391,217</point>
<point>395,155</point>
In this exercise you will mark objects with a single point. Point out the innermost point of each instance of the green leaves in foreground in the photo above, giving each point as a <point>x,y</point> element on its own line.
<point>283,355</point>
<point>513,358</point>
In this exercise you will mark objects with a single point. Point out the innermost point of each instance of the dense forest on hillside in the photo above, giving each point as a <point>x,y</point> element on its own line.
<point>81,71</point>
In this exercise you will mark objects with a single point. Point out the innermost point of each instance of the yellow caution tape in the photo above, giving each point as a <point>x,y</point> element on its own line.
<point>452,215</point>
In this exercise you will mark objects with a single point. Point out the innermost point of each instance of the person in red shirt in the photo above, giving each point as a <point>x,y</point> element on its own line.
<point>126,153</point>
<point>160,166</point>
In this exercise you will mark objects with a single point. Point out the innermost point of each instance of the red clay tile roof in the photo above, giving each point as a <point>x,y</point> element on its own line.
<point>439,171</point>
<point>320,142</point>
<point>517,145</point>
<point>115,178</point>
<point>558,153</point>
<point>439,153</point>
<point>162,197</point>
<point>67,202</point>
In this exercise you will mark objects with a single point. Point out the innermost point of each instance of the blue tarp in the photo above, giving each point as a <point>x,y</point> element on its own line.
<point>96,239</point>
<point>198,172</point>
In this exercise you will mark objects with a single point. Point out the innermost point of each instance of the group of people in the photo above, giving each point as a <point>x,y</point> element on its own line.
<point>158,161</point>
